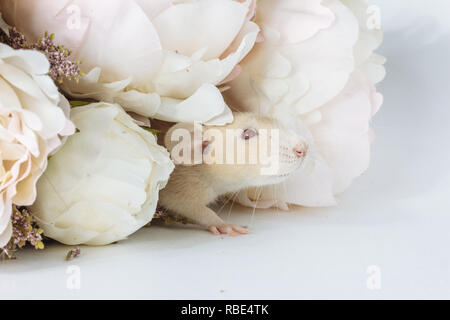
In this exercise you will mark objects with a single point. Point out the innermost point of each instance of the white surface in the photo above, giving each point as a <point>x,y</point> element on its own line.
<point>397,216</point>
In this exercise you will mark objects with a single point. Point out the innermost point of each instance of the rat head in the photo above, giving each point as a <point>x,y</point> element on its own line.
<point>251,151</point>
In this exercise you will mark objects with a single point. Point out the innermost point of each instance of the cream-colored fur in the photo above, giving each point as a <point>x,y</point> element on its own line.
<point>192,188</point>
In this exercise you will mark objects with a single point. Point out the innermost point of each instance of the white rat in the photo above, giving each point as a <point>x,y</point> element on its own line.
<point>195,185</point>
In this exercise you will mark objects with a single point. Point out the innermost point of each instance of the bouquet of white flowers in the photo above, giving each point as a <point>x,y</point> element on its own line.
<point>82,82</point>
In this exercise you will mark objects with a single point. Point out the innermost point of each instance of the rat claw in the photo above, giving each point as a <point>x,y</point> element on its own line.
<point>240,230</point>
<point>214,230</point>
<point>230,230</point>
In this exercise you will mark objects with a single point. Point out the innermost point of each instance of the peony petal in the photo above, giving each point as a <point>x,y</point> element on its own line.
<point>48,87</point>
<point>69,128</point>
<point>31,123</point>
<point>6,235</point>
<point>53,118</point>
<point>327,72</point>
<point>108,191</point>
<point>115,35</point>
<point>295,20</point>
<point>317,74</point>
<point>9,100</point>
<point>205,106</point>
<point>342,137</point>
<point>186,28</point>
<point>123,56</point>
<point>327,80</point>
<point>21,81</point>
<point>33,18</point>
<point>163,108</point>
<point>153,8</point>
<point>5,219</point>
<point>29,61</point>
<point>180,76</point>
<point>10,152</point>
<point>26,189</point>
<point>369,38</point>
<point>121,40</point>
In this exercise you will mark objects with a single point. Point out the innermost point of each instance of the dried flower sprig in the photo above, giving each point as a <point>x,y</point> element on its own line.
<point>58,56</point>
<point>61,67</point>
<point>73,253</point>
<point>14,39</point>
<point>25,231</point>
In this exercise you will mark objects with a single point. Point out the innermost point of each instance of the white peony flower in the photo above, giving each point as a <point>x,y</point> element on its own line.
<point>323,76</point>
<point>33,121</point>
<point>158,58</point>
<point>103,185</point>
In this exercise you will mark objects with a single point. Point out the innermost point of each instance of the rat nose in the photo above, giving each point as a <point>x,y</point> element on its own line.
<point>300,150</point>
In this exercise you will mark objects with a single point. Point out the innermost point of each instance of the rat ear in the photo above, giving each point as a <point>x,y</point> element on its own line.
<point>185,144</point>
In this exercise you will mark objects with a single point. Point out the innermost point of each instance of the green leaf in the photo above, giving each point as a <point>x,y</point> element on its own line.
<point>79,103</point>
<point>152,131</point>
<point>69,255</point>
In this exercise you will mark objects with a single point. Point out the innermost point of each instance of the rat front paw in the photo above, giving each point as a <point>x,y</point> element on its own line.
<point>228,229</point>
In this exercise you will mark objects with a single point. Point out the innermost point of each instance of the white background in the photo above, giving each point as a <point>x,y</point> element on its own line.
<point>396,216</point>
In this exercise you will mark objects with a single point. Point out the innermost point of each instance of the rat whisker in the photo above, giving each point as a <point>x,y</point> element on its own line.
<point>191,190</point>
<point>259,193</point>
<point>274,195</point>
<point>284,189</point>
<point>228,199</point>
<point>232,204</point>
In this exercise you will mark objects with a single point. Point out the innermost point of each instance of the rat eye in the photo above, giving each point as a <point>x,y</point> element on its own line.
<point>249,133</point>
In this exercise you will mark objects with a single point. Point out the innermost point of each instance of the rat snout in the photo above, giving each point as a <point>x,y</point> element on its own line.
<point>300,150</point>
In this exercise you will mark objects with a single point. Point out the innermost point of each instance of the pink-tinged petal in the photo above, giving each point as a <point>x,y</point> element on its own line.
<point>233,75</point>
<point>311,73</point>
<point>26,188</point>
<point>342,137</point>
<point>181,76</point>
<point>122,51</point>
<point>326,60</point>
<point>115,35</point>
<point>341,152</point>
<point>377,101</point>
<point>327,80</point>
<point>260,38</point>
<point>295,20</point>
<point>121,40</point>
<point>370,37</point>
<point>212,24</point>
<point>33,18</point>
<point>69,128</point>
<point>251,5</point>
<point>153,8</point>
<point>32,124</point>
